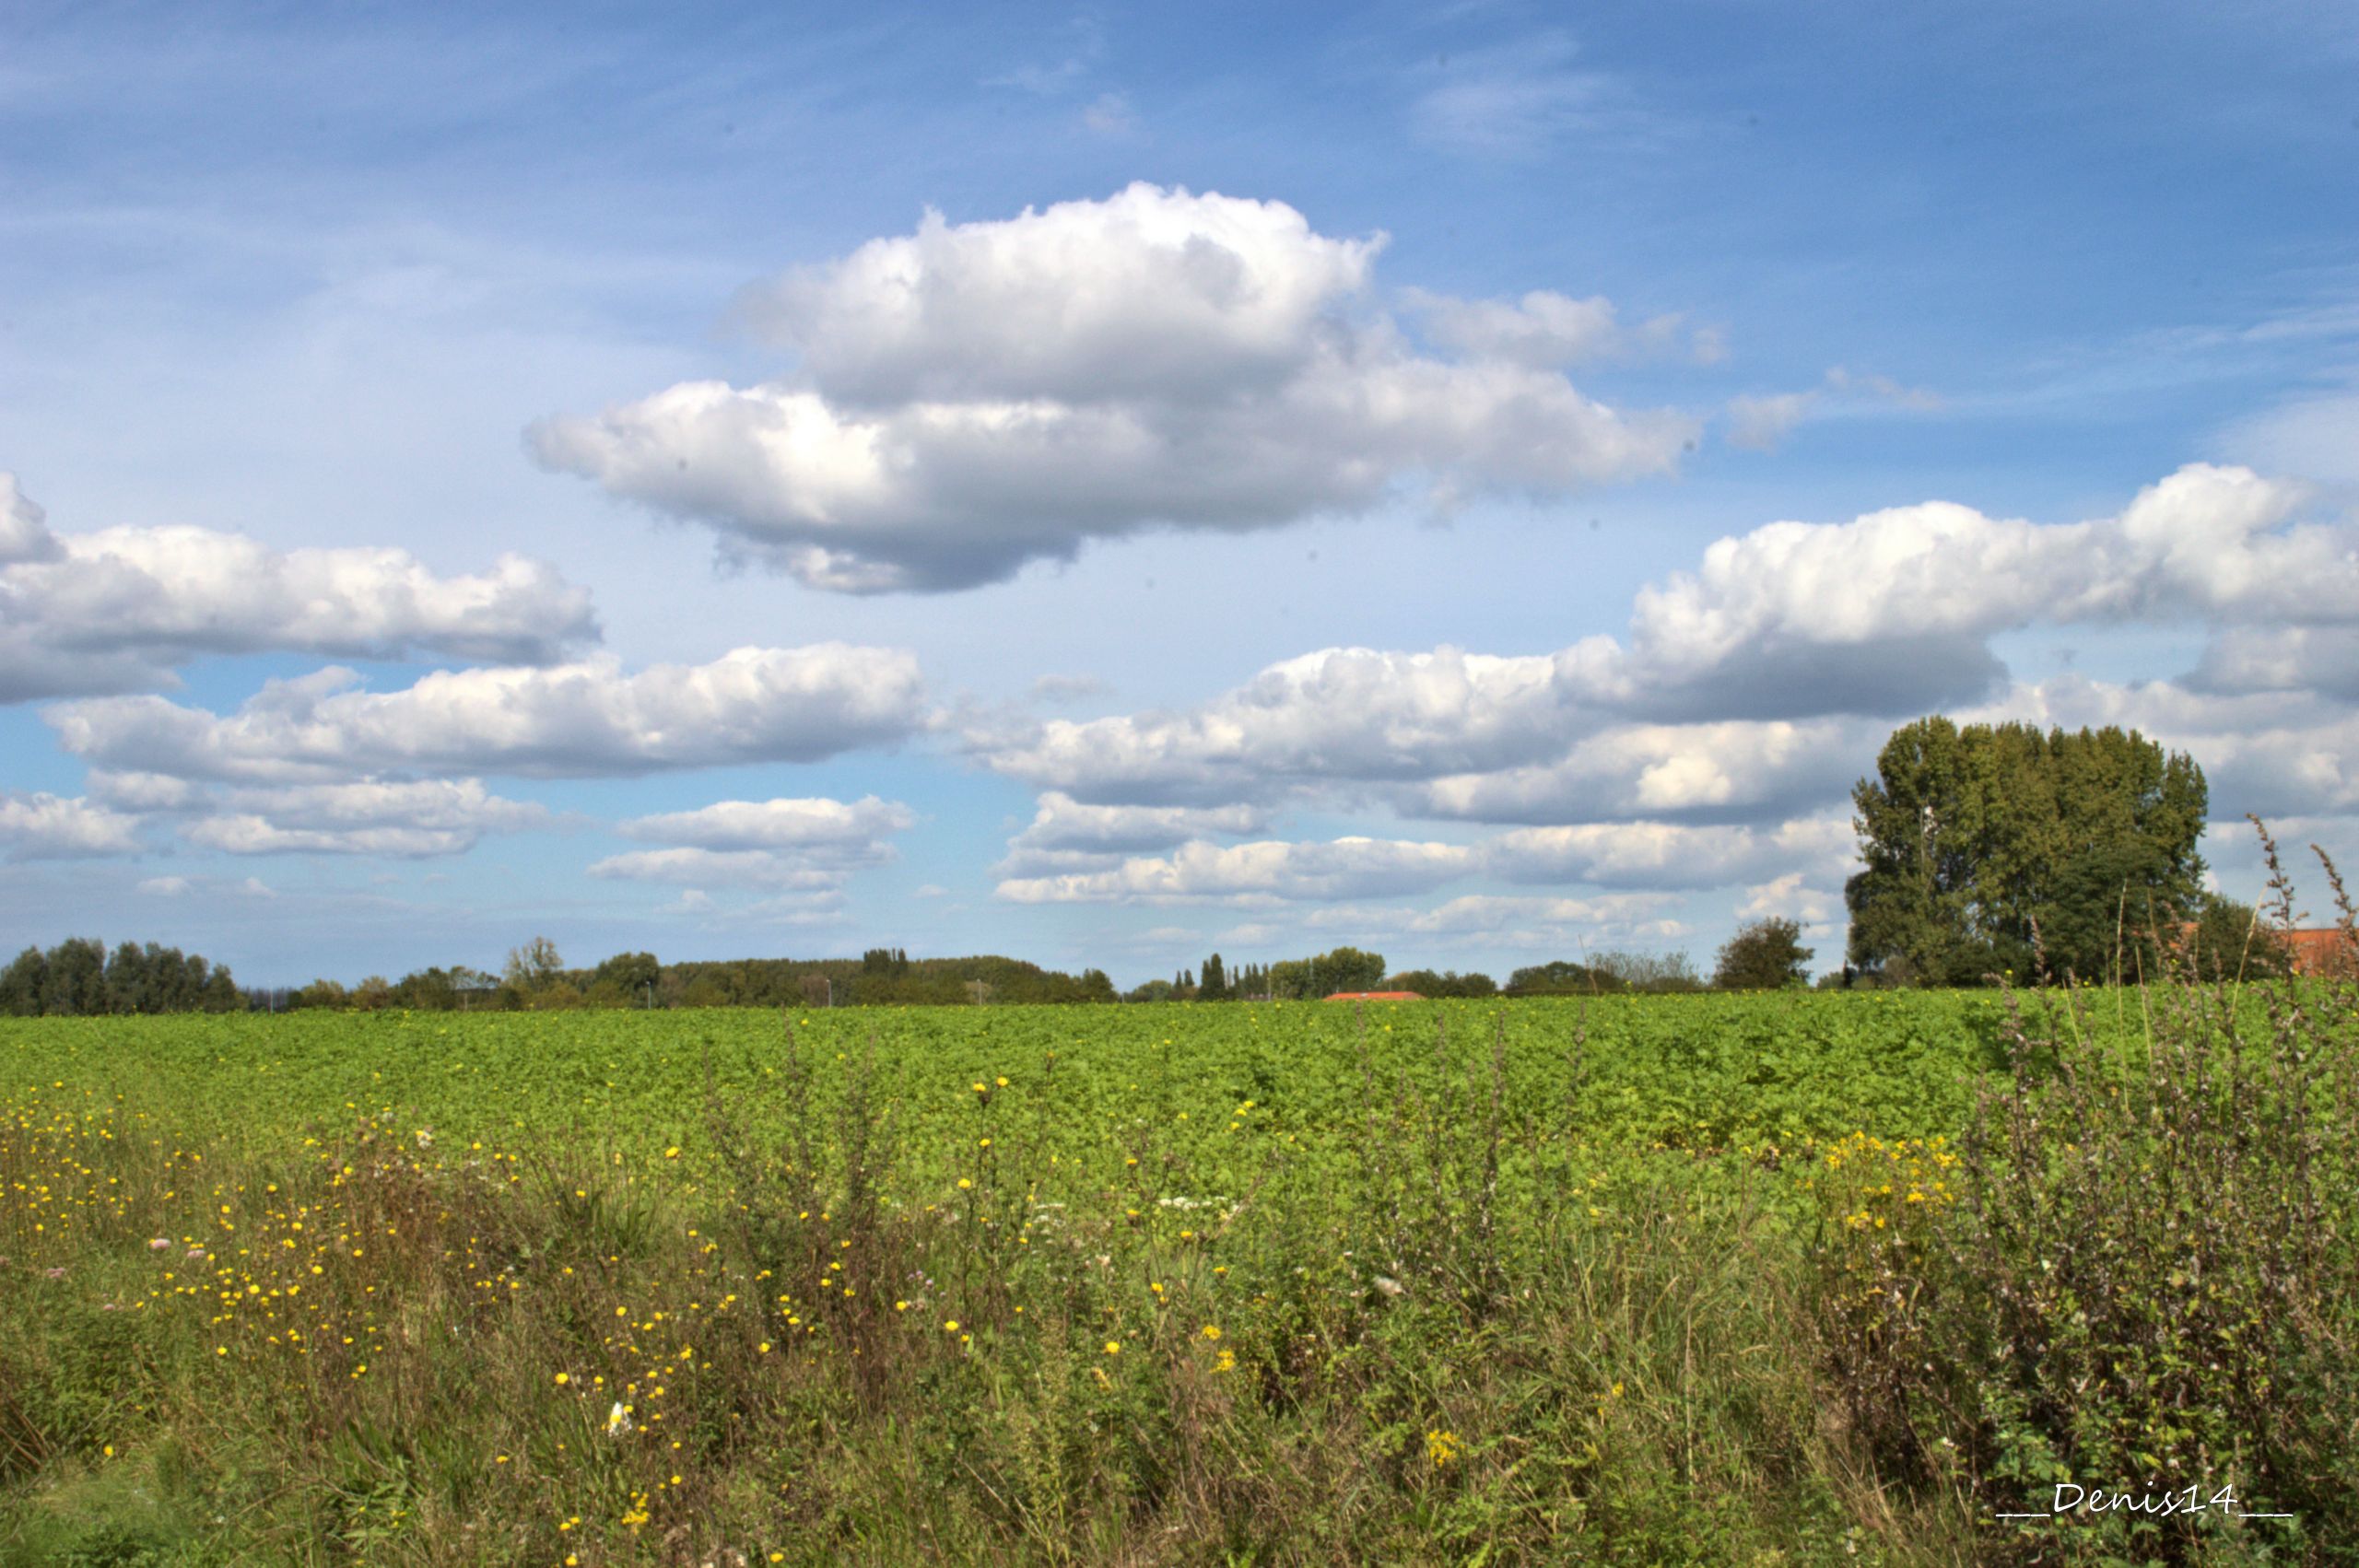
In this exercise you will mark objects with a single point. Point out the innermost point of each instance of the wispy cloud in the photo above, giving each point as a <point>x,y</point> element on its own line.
<point>1516,101</point>
<point>1066,66</point>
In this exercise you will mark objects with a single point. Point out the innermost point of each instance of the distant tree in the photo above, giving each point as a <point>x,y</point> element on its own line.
<point>127,979</point>
<point>22,986</point>
<point>1448,983</point>
<point>74,982</point>
<point>425,991</point>
<point>1562,976</point>
<point>1763,956</point>
<point>221,993</point>
<point>533,967</point>
<point>1988,848</point>
<point>1347,969</point>
<point>559,995</point>
<point>1654,972</point>
<point>1153,991</point>
<point>1215,985</point>
<point>319,993</point>
<point>630,972</point>
<point>2230,941</point>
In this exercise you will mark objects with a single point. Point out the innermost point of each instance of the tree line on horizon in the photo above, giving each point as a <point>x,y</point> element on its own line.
<point>79,977</point>
<point>1986,850</point>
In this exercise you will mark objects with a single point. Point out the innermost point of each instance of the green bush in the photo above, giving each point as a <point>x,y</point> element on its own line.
<point>2139,1271</point>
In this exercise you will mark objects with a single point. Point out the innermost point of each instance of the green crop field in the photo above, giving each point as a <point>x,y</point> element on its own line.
<point>1533,1280</point>
<point>1699,1072</point>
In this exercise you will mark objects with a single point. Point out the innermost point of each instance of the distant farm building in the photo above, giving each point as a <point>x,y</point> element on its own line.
<point>2322,952</point>
<point>1376,996</point>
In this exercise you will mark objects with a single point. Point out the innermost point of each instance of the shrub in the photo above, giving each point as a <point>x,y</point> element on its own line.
<point>1764,955</point>
<point>2138,1270</point>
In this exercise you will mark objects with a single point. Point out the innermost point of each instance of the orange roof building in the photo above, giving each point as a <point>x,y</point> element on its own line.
<point>2321,951</point>
<point>1376,996</point>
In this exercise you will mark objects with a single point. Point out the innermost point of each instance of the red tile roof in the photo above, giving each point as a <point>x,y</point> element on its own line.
<point>1376,996</point>
<point>2322,952</point>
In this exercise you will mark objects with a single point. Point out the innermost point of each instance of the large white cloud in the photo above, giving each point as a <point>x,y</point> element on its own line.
<point>24,526</point>
<point>1643,857</point>
<point>815,823</point>
<point>1731,769</point>
<point>1747,688</point>
<point>1339,714</point>
<point>411,819</point>
<point>41,826</point>
<point>2206,543</point>
<point>1658,855</point>
<point>976,396</point>
<point>1064,825</point>
<point>589,719</point>
<point>808,844</point>
<point>1151,293</point>
<point>1256,873</point>
<point>121,609</point>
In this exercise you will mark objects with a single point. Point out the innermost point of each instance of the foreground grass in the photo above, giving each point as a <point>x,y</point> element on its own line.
<point>364,1350</point>
<point>1423,1299</point>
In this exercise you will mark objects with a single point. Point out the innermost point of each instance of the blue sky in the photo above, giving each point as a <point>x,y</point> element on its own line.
<point>975,443</point>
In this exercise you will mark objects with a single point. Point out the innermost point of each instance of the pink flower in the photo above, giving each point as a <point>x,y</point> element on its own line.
<point>53,1273</point>
<point>159,1244</point>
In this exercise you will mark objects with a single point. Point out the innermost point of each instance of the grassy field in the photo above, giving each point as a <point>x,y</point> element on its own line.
<point>1779,1279</point>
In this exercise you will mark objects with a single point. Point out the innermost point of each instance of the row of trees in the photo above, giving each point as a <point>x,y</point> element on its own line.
<point>1608,973</point>
<point>1295,980</point>
<point>536,978</point>
<point>79,978</point>
<point>1984,850</point>
<point>1247,982</point>
<point>1763,954</point>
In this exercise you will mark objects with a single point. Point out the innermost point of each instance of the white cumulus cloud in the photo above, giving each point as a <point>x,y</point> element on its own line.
<point>41,826</point>
<point>975,396</point>
<point>123,608</point>
<point>814,824</point>
<point>808,844</point>
<point>1750,688</point>
<point>1255,873</point>
<point>589,718</point>
<point>413,819</point>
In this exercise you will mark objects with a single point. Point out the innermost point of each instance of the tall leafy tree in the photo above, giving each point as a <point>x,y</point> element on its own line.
<point>1988,848</point>
<point>22,986</point>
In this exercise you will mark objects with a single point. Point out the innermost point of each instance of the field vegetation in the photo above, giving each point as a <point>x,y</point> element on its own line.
<point>1778,1278</point>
